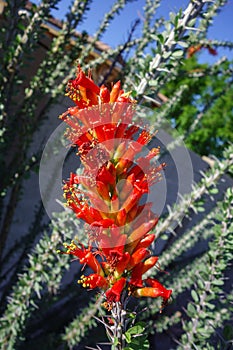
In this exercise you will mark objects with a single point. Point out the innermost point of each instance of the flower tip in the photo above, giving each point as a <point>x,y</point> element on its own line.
<point>168,293</point>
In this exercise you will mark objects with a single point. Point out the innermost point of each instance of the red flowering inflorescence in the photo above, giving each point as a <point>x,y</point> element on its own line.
<point>109,193</point>
<point>195,48</point>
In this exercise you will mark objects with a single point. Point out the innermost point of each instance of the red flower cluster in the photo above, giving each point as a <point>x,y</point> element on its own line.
<point>110,193</point>
<point>193,49</point>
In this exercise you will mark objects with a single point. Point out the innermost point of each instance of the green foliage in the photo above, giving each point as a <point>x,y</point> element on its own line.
<point>207,292</point>
<point>199,106</point>
<point>205,107</point>
<point>40,272</point>
<point>136,337</point>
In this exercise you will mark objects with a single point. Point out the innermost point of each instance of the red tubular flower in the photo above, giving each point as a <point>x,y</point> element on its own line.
<point>85,257</point>
<point>142,230</point>
<point>193,49</point>
<point>82,90</point>
<point>111,241</point>
<point>146,241</point>
<point>140,269</point>
<point>104,94</point>
<point>113,294</point>
<point>153,292</point>
<point>137,257</point>
<point>85,82</point>
<point>136,275</point>
<point>115,91</point>
<point>212,51</point>
<point>121,217</point>
<point>105,223</point>
<point>91,261</point>
<point>106,174</point>
<point>149,263</point>
<point>103,190</point>
<point>122,263</point>
<point>93,281</point>
<point>133,199</point>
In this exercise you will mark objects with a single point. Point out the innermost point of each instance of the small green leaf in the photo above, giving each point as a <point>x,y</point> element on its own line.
<point>210,306</point>
<point>178,53</point>
<point>192,22</point>
<point>183,44</point>
<point>203,331</point>
<point>21,26</point>
<point>140,343</point>
<point>161,38</point>
<point>176,20</point>
<point>153,83</point>
<point>137,329</point>
<point>115,342</point>
<point>229,192</point>
<point>37,288</point>
<point>213,190</point>
<point>166,54</point>
<point>172,17</point>
<point>191,309</point>
<point>200,209</point>
<point>128,337</point>
<point>200,284</point>
<point>195,296</point>
<point>218,282</point>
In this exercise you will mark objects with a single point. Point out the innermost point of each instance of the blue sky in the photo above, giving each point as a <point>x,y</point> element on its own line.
<point>222,29</point>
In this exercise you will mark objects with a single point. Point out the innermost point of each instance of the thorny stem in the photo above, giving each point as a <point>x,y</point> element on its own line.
<point>118,314</point>
<point>192,11</point>
<point>4,229</point>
